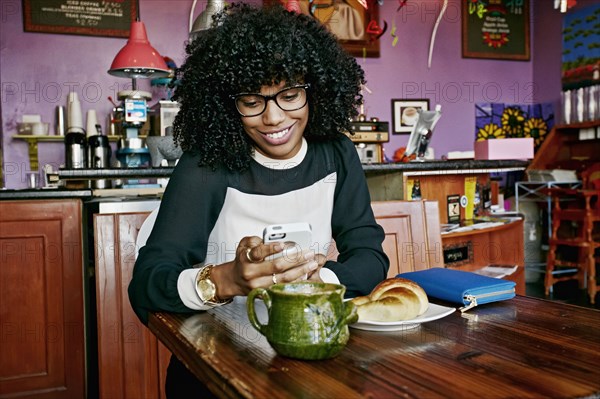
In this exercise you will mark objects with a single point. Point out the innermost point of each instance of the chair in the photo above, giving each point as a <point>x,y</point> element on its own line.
<point>575,236</point>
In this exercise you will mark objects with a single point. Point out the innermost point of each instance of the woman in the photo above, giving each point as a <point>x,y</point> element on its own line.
<point>265,98</point>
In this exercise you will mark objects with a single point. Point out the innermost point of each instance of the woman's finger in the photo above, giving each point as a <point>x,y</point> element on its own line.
<point>298,273</point>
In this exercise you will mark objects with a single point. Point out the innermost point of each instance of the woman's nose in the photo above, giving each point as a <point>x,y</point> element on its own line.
<point>273,115</point>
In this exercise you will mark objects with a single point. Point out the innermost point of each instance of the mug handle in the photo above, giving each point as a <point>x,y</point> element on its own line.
<point>350,317</point>
<point>351,312</point>
<point>257,292</point>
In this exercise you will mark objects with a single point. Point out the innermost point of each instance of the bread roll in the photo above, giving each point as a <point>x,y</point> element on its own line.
<point>361,300</point>
<point>397,282</point>
<point>390,308</point>
<point>393,299</point>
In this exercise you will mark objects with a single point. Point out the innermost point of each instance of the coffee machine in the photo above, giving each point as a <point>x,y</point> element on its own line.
<point>368,138</point>
<point>130,116</point>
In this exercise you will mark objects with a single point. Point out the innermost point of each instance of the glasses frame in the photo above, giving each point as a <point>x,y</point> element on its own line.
<point>273,97</point>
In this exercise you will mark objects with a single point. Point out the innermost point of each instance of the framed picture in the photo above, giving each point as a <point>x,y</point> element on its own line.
<point>404,114</point>
<point>356,26</point>
<point>109,18</point>
<point>495,29</point>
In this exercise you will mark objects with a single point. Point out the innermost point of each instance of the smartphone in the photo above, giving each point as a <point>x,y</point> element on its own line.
<point>296,237</point>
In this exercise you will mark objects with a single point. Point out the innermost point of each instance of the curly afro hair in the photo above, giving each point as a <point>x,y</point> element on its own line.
<point>251,47</point>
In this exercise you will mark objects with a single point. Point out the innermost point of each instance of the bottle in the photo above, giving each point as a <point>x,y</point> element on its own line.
<point>98,152</point>
<point>477,200</point>
<point>75,150</point>
<point>416,191</point>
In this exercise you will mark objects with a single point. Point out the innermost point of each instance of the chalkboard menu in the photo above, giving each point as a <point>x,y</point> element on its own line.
<point>80,17</point>
<point>497,29</point>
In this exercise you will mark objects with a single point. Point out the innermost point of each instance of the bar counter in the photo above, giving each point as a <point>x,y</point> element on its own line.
<point>520,348</point>
<point>469,165</point>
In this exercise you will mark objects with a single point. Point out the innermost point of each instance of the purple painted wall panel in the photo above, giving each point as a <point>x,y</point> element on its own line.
<point>37,71</point>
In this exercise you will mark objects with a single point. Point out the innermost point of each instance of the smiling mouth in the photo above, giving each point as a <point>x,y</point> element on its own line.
<point>278,135</point>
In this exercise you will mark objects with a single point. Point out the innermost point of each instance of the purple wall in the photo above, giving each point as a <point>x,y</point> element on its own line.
<point>38,70</point>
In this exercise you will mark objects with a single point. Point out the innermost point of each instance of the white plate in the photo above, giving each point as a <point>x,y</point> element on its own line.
<point>433,313</point>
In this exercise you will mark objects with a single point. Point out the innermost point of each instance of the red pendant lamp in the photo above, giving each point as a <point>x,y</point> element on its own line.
<point>138,59</point>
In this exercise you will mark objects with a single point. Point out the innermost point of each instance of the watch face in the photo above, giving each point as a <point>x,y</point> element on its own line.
<point>207,290</point>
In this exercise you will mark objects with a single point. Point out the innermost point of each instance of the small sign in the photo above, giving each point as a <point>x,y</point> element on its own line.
<point>453,208</point>
<point>464,201</point>
<point>458,254</point>
<point>496,29</point>
<point>78,17</point>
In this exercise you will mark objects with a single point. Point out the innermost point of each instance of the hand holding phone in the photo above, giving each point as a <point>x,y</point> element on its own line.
<point>296,238</point>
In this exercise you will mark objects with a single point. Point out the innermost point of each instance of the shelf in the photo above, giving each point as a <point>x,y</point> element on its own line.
<point>48,138</point>
<point>537,191</point>
<point>33,140</point>
<point>486,230</point>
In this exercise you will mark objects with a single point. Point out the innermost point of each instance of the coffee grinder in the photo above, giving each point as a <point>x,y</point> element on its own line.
<point>132,114</point>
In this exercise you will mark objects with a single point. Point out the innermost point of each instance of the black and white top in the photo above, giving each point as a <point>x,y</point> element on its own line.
<point>204,214</point>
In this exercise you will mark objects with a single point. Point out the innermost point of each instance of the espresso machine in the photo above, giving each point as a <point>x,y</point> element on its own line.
<point>368,138</point>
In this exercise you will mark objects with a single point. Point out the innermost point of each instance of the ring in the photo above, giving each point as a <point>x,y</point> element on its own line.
<point>274,279</point>
<point>248,255</point>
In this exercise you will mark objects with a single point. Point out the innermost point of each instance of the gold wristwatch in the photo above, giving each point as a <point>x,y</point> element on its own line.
<point>206,289</point>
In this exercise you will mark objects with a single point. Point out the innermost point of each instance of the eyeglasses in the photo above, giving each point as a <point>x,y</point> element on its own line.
<point>289,99</point>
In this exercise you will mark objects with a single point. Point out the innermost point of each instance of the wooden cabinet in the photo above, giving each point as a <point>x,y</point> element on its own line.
<point>475,249</point>
<point>132,362</point>
<point>413,241</point>
<point>41,299</point>
<point>412,234</point>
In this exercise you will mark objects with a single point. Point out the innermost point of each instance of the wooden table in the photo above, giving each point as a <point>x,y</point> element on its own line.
<point>521,348</point>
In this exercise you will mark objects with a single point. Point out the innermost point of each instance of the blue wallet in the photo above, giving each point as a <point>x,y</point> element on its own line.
<point>458,286</point>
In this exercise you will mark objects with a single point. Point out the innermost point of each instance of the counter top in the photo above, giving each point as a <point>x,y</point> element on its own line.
<point>109,173</point>
<point>438,165</point>
<point>50,193</point>
<point>410,168</point>
<point>469,165</point>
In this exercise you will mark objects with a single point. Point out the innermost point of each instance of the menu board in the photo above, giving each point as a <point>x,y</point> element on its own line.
<point>80,17</point>
<point>497,29</point>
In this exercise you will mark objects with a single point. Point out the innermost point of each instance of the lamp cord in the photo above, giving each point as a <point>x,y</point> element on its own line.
<point>435,27</point>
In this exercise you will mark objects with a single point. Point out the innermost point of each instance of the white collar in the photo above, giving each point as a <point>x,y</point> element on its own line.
<point>282,163</point>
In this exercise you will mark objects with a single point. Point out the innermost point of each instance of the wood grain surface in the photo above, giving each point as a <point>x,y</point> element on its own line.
<point>520,348</point>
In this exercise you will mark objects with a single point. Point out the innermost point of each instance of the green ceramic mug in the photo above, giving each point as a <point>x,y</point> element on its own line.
<point>306,320</point>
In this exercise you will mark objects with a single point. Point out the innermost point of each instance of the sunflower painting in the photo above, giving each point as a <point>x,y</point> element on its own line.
<point>499,120</point>
<point>536,128</point>
<point>490,131</point>
<point>512,122</point>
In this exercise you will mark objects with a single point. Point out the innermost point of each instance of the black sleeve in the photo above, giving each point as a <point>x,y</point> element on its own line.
<point>361,263</point>
<point>179,238</point>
